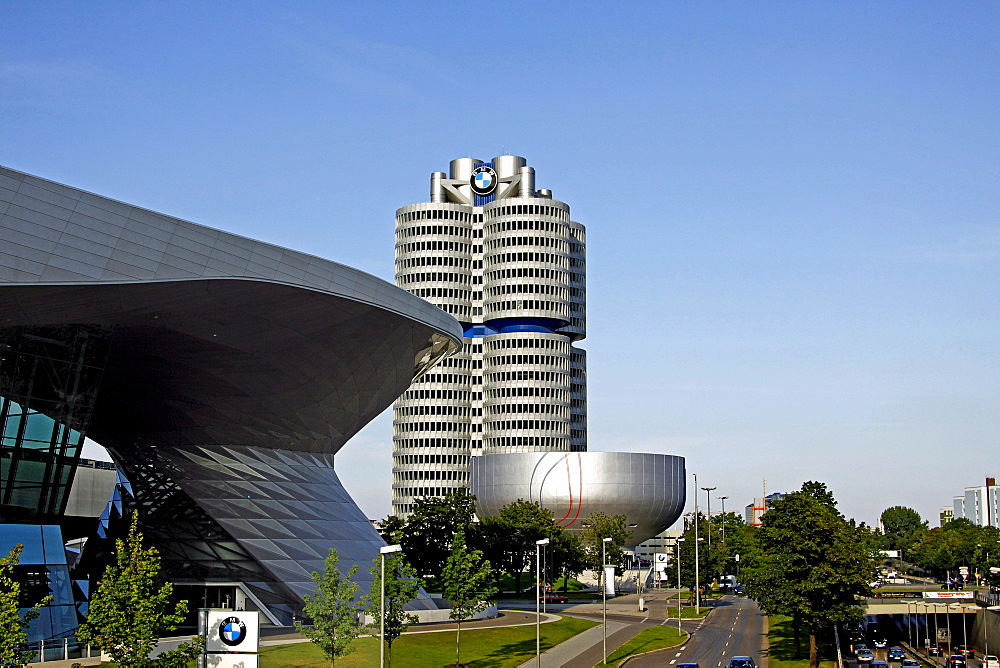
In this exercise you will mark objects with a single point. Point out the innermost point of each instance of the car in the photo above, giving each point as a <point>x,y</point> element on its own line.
<point>956,661</point>
<point>554,598</point>
<point>860,647</point>
<point>687,665</point>
<point>742,662</point>
<point>991,661</point>
<point>935,649</point>
<point>878,664</point>
<point>895,654</point>
<point>864,656</point>
<point>880,643</point>
<point>911,663</point>
<point>967,651</point>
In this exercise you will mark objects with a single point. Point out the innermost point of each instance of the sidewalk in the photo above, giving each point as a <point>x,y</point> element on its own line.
<point>573,651</point>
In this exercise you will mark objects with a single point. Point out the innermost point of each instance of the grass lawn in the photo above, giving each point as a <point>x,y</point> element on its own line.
<point>782,640</point>
<point>687,612</point>
<point>655,637</point>
<point>481,648</point>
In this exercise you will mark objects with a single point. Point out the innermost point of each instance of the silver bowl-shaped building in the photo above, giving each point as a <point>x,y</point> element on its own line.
<point>222,374</point>
<point>648,489</point>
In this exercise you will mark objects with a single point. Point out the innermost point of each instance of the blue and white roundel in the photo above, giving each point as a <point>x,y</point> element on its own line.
<point>232,631</point>
<point>484,180</point>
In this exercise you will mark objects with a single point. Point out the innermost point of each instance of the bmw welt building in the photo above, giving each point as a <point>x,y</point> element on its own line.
<point>221,373</point>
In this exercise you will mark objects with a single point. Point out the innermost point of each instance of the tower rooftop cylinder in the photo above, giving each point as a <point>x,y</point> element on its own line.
<point>508,165</point>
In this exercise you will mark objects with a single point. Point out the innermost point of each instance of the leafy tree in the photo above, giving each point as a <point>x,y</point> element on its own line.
<point>427,535</point>
<point>957,543</point>
<point>466,579</point>
<point>508,539</point>
<point>401,586</point>
<point>599,526</point>
<point>811,564</point>
<point>391,529</point>
<point>14,624</point>
<point>129,612</point>
<point>333,610</point>
<point>568,556</point>
<point>901,527</point>
<point>710,561</point>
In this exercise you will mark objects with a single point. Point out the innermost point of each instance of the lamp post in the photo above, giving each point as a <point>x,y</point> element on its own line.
<point>604,594</point>
<point>382,551</point>
<point>927,625</point>
<point>538,598</point>
<point>947,620</point>
<point>678,548</point>
<point>697,589</point>
<point>723,499</point>
<point>909,622</point>
<point>708,494</point>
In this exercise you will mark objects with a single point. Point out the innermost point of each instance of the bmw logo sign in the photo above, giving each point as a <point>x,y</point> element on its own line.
<point>232,631</point>
<point>484,180</point>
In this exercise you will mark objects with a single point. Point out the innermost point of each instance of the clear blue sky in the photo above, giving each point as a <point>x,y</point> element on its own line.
<point>792,208</point>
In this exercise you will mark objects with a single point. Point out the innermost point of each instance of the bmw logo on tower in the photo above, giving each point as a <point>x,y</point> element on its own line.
<point>483,181</point>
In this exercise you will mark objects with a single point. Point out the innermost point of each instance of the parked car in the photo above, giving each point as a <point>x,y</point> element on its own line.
<point>956,661</point>
<point>967,651</point>
<point>935,649</point>
<point>742,662</point>
<point>895,654</point>
<point>913,663</point>
<point>554,598</point>
<point>865,656</point>
<point>991,661</point>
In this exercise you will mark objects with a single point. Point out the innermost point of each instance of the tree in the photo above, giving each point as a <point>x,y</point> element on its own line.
<point>333,610</point>
<point>427,535</point>
<point>129,611</point>
<point>599,526</point>
<point>466,584</point>
<point>957,543</point>
<point>508,539</point>
<point>401,586</point>
<point>811,564</point>
<point>14,624</point>
<point>901,527</point>
<point>567,554</point>
<point>710,561</point>
<point>391,529</point>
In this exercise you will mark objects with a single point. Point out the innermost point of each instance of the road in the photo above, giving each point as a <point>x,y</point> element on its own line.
<point>735,628</point>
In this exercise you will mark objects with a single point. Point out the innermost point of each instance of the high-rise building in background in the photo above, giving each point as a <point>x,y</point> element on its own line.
<point>979,505</point>
<point>509,263</point>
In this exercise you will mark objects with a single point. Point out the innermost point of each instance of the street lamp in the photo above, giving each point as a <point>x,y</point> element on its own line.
<point>723,499</point>
<point>697,589</point>
<point>538,597</point>
<point>678,551</point>
<point>382,551</point>
<point>604,592</point>
<point>708,494</point>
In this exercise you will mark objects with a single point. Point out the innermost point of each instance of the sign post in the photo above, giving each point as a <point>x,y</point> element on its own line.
<point>232,638</point>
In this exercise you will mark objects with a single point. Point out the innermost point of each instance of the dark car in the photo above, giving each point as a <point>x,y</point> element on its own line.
<point>687,665</point>
<point>864,656</point>
<point>956,661</point>
<point>742,662</point>
<point>935,649</point>
<point>860,647</point>
<point>878,664</point>
<point>895,654</point>
<point>880,643</point>
<point>910,663</point>
<point>967,651</point>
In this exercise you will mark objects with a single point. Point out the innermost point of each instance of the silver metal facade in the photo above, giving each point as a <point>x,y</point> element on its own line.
<point>511,267</point>
<point>237,370</point>
<point>648,489</point>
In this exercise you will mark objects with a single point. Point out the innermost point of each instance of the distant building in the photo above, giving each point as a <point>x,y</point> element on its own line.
<point>755,511</point>
<point>947,515</point>
<point>979,505</point>
<point>664,542</point>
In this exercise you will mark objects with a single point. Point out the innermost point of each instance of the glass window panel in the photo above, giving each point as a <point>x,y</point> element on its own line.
<point>39,427</point>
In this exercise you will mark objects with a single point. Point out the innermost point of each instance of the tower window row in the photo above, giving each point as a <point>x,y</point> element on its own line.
<point>511,409</point>
<point>504,242</point>
<point>526,272</point>
<point>435,277</point>
<point>439,260</point>
<point>421,246</point>
<point>455,395</point>
<point>434,214</point>
<point>401,476</point>
<point>452,378</point>
<point>457,460</point>
<point>539,425</point>
<point>457,362</point>
<point>514,343</point>
<point>443,425</point>
<point>424,491</point>
<point>549,392</point>
<point>528,442</point>
<point>547,258</point>
<point>528,305</point>
<point>529,288</point>
<point>443,293</point>
<point>458,444</point>
<point>497,226</point>
<point>455,411</point>
<point>547,360</point>
<point>543,376</point>
<point>529,210</point>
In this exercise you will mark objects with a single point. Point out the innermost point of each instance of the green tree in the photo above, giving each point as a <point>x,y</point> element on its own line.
<point>710,560</point>
<point>568,556</point>
<point>333,610</point>
<point>466,584</point>
<point>391,529</point>
<point>401,586</point>
<point>901,528</point>
<point>427,535</point>
<point>957,543</point>
<point>508,539</point>
<point>596,528</point>
<point>810,564</point>
<point>129,611</point>
<point>13,623</point>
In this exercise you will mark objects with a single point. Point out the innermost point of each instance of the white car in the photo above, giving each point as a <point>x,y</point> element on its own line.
<point>991,661</point>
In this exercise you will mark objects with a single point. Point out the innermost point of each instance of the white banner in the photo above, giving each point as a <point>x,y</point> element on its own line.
<point>948,594</point>
<point>609,580</point>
